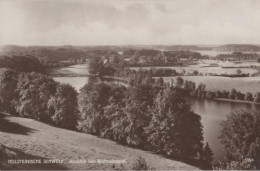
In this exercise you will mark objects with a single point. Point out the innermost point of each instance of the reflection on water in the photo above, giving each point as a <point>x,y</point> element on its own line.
<point>212,112</point>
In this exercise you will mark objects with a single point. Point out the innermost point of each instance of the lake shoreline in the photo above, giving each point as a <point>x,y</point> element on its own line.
<point>236,101</point>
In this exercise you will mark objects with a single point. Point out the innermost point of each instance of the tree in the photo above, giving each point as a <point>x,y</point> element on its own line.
<point>63,106</point>
<point>92,100</point>
<point>207,156</point>
<point>115,123</point>
<point>95,66</point>
<point>189,86</point>
<point>202,87</point>
<point>160,81</point>
<point>257,98</point>
<point>210,95</point>
<point>142,94</point>
<point>201,91</point>
<point>168,132</point>
<point>137,119</point>
<point>218,94</point>
<point>225,94</point>
<point>179,82</point>
<point>249,97</point>
<point>34,91</point>
<point>239,71</point>
<point>233,94</point>
<point>8,82</point>
<point>196,72</point>
<point>240,96</point>
<point>138,114</point>
<point>240,135</point>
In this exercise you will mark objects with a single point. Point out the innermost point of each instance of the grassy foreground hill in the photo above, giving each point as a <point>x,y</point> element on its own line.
<point>23,138</point>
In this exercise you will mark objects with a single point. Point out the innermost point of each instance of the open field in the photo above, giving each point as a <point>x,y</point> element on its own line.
<point>31,139</point>
<point>214,83</point>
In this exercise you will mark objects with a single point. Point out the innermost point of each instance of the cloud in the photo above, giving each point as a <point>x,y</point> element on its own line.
<point>89,22</point>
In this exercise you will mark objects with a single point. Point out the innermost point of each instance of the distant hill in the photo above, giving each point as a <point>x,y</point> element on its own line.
<point>57,53</point>
<point>21,63</point>
<point>238,47</point>
<point>186,48</point>
<point>69,52</point>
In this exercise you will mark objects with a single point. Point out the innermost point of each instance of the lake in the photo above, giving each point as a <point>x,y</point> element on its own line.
<point>76,82</point>
<point>81,69</point>
<point>212,112</point>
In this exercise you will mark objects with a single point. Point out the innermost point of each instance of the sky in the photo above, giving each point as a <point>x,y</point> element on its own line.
<point>129,22</point>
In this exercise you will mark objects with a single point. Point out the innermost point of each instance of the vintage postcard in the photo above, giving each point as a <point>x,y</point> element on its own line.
<point>129,85</point>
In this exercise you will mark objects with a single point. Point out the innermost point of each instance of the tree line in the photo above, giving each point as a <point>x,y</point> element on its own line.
<point>37,96</point>
<point>154,72</point>
<point>201,92</point>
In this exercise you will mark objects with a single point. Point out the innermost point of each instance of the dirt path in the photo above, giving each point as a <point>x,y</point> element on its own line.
<point>44,141</point>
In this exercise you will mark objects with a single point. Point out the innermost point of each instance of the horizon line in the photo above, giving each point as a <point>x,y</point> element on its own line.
<point>133,45</point>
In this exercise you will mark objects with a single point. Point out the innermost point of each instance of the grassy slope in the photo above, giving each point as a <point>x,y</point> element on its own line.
<point>33,139</point>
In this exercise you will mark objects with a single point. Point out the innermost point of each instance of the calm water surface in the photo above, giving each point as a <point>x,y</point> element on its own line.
<point>76,82</point>
<point>212,112</point>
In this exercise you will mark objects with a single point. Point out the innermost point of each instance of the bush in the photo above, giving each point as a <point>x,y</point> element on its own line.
<point>245,164</point>
<point>140,164</point>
